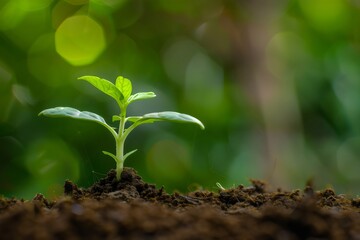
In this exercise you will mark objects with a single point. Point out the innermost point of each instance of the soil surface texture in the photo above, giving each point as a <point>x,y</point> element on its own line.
<point>133,209</point>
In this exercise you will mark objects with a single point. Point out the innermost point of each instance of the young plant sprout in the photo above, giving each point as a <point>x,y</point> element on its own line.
<point>121,93</point>
<point>220,186</point>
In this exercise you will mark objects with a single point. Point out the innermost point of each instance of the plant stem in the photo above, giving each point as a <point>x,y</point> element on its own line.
<point>120,145</point>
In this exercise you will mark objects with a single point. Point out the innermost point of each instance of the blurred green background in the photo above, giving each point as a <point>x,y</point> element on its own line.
<point>276,83</point>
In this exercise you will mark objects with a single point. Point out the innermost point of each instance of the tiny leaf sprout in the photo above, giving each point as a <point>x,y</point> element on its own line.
<point>220,186</point>
<point>121,92</point>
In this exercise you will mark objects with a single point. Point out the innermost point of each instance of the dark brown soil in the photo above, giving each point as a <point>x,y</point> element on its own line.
<point>133,209</point>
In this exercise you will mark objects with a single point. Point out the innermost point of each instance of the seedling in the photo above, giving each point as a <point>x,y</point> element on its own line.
<point>121,93</point>
<point>220,186</point>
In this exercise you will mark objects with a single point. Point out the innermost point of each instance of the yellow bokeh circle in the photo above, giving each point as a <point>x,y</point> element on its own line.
<point>80,40</point>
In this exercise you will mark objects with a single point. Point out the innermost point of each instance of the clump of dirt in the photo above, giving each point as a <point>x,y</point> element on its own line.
<point>133,209</point>
<point>130,187</point>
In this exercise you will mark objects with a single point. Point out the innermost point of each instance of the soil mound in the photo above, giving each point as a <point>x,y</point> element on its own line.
<point>133,209</point>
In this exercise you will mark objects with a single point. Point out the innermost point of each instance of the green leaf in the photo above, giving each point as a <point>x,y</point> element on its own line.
<point>133,118</point>
<point>110,154</point>
<point>172,117</point>
<point>72,113</point>
<point>105,86</point>
<point>220,187</point>
<point>128,154</point>
<point>68,112</point>
<point>124,85</point>
<point>116,118</point>
<point>141,96</point>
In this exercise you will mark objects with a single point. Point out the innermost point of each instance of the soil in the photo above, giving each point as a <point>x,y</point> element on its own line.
<point>133,209</point>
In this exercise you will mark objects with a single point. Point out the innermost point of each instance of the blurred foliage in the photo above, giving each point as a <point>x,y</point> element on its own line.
<point>276,85</point>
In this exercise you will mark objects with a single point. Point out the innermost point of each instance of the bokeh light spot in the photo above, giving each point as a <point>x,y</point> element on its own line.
<point>23,94</point>
<point>80,40</point>
<point>204,86</point>
<point>10,15</point>
<point>325,16</point>
<point>176,59</point>
<point>34,5</point>
<point>281,56</point>
<point>15,11</point>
